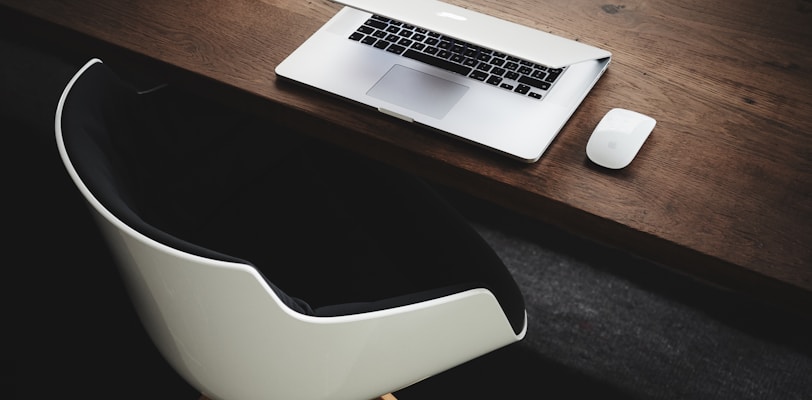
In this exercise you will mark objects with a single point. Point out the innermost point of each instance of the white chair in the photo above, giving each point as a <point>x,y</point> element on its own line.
<point>229,330</point>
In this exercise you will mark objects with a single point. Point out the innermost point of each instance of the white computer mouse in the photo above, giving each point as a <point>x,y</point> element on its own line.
<point>618,137</point>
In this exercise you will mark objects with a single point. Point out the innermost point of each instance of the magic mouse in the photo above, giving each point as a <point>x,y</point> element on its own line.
<point>618,137</point>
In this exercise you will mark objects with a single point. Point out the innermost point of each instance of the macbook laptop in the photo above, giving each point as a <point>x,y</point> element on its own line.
<point>490,82</point>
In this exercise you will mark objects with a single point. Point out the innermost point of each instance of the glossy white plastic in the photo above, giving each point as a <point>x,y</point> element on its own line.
<point>223,328</point>
<point>618,137</point>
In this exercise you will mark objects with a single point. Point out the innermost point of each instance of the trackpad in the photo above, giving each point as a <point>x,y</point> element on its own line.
<point>418,91</point>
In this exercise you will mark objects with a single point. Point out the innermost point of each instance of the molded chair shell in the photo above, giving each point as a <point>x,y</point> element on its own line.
<point>224,328</point>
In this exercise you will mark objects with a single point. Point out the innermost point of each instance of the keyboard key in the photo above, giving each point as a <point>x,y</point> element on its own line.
<point>539,74</point>
<point>440,63</point>
<point>522,89</point>
<point>366,29</point>
<point>395,48</point>
<point>553,75</point>
<point>534,82</point>
<point>376,24</point>
<point>478,75</point>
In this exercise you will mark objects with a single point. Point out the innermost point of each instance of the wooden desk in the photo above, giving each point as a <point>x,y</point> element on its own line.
<point>722,190</point>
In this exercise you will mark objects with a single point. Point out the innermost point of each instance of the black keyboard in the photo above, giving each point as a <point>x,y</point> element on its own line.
<point>498,69</point>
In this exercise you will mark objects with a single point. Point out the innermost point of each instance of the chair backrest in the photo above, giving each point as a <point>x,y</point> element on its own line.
<point>222,325</point>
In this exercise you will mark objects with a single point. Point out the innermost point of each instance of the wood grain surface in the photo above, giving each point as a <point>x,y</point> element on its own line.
<point>722,190</point>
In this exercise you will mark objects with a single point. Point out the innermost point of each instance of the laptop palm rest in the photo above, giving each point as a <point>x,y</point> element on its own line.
<point>418,91</point>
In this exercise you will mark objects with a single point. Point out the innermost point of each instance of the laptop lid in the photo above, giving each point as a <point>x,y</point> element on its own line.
<point>484,30</point>
<point>506,116</point>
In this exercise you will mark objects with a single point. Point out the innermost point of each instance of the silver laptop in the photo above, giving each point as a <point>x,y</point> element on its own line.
<point>491,82</point>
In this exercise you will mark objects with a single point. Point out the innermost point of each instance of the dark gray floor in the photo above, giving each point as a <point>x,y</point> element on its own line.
<point>603,324</point>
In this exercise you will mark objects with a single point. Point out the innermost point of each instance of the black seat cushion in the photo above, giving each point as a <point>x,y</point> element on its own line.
<point>332,232</point>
